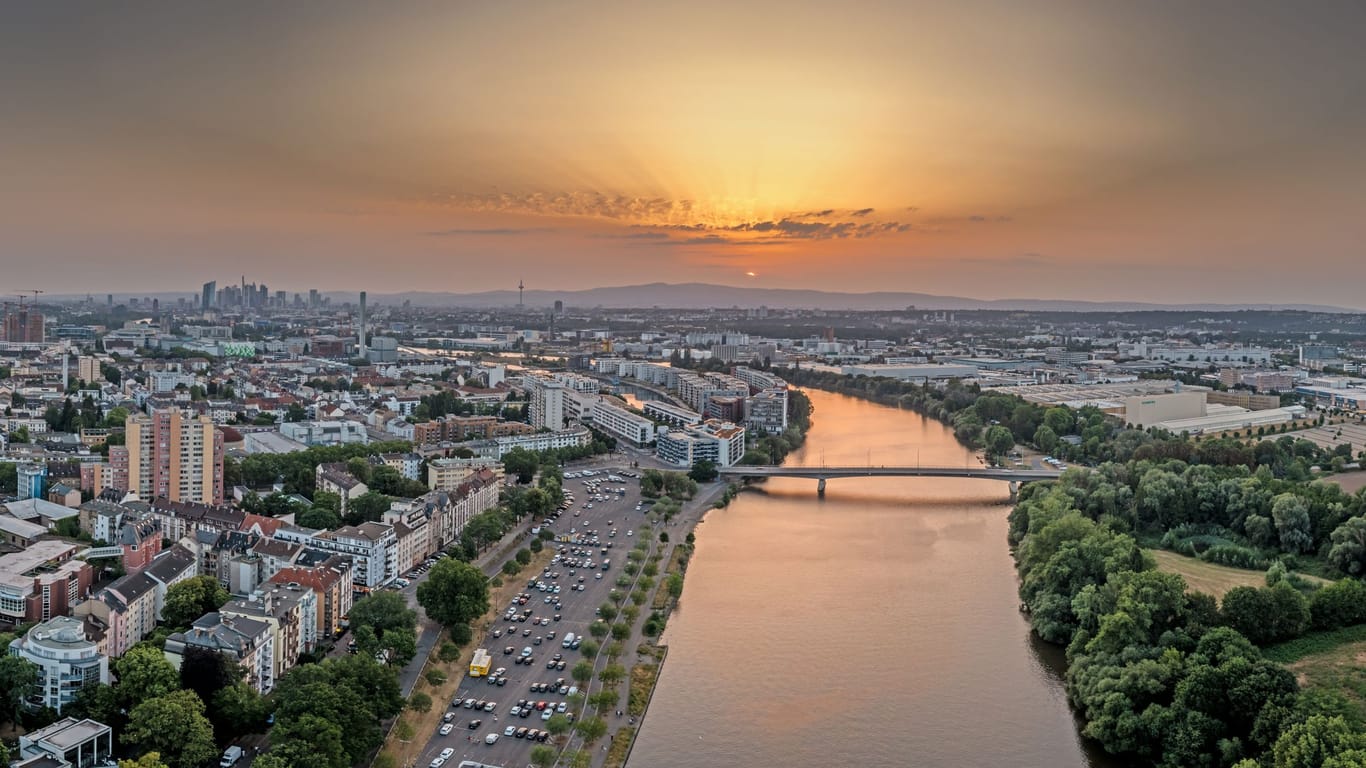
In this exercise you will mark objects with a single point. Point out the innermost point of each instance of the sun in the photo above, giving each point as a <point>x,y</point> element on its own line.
<point>751,274</point>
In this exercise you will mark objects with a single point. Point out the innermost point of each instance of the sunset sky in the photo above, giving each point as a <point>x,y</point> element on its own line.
<point>1154,151</point>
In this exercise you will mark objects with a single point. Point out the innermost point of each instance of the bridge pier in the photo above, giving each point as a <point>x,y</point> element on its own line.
<point>1014,490</point>
<point>820,487</point>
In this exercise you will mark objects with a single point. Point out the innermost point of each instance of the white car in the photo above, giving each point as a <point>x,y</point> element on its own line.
<point>447,728</point>
<point>437,762</point>
<point>510,731</point>
<point>547,714</point>
<point>492,738</point>
<point>630,533</point>
<point>447,752</point>
<point>562,707</point>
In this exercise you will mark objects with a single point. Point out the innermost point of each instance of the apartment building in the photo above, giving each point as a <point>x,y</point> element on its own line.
<point>67,661</point>
<point>247,641</point>
<point>331,580</point>
<point>372,547</point>
<point>621,423</point>
<point>179,519</point>
<point>721,443</point>
<point>546,409</point>
<point>767,411</point>
<point>171,454</point>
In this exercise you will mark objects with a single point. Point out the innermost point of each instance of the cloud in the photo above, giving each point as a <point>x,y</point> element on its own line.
<point>861,212</point>
<point>631,235</point>
<point>494,232</point>
<point>578,204</point>
<point>821,230</point>
<point>814,214</point>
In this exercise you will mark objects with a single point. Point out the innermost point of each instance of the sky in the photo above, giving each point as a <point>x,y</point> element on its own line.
<point>1162,151</point>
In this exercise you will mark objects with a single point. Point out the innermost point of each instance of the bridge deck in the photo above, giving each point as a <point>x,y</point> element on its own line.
<point>827,473</point>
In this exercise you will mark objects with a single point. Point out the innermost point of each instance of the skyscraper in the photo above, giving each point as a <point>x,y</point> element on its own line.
<point>171,454</point>
<point>207,295</point>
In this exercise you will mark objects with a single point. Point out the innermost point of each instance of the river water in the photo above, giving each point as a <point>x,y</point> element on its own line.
<point>878,626</point>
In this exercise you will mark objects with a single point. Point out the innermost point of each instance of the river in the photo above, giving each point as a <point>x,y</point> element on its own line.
<point>878,626</point>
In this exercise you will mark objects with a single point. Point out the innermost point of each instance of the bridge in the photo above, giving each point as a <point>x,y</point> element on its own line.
<point>1013,476</point>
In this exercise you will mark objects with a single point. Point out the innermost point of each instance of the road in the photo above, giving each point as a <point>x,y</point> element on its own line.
<point>577,612</point>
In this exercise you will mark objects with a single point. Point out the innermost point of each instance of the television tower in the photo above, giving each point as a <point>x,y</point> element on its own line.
<point>520,286</point>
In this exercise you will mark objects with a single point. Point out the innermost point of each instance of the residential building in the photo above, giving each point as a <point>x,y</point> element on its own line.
<point>409,465</point>
<point>336,478</point>
<point>247,641</point>
<point>141,542</point>
<point>172,454</point>
<point>621,423</point>
<point>767,411</point>
<point>675,415</point>
<point>31,477</point>
<point>546,409</point>
<point>372,547</point>
<point>574,437</point>
<point>722,443</point>
<point>126,611</point>
<point>67,661</point>
<point>179,519</point>
<point>331,580</point>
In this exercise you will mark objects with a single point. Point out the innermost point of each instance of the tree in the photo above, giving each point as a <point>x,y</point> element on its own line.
<point>1291,515</point>
<point>612,674</point>
<point>522,463</point>
<point>1312,743</point>
<point>148,760</point>
<point>206,672</point>
<point>591,729</point>
<point>175,726</point>
<point>268,760</point>
<point>1266,615</point>
<point>582,672</point>
<point>454,593</point>
<point>18,681</point>
<point>704,471</point>
<point>237,710</point>
<point>999,440</point>
<point>145,674</point>
<point>558,725</point>
<point>318,518</point>
<point>383,611</point>
<point>542,756</point>
<point>1348,553</point>
<point>296,412</point>
<point>366,508</point>
<point>190,599</point>
<point>607,698</point>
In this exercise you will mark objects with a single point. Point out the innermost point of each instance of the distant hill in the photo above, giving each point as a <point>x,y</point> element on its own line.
<point>705,296</point>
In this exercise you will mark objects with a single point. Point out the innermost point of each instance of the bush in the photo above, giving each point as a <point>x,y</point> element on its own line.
<point>1340,604</point>
<point>420,702</point>
<point>435,677</point>
<point>523,556</point>
<point>448,652</point>
<point>536,545</point>
<point>511,568</point>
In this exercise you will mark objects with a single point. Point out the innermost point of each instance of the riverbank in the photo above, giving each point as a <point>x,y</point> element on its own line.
<point>643,677</point>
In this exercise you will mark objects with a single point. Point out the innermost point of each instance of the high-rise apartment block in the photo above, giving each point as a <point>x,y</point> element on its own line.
<point>546,409</point>
<point>171,454</point>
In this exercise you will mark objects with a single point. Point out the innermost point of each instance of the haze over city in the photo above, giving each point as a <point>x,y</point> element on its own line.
<point>1102,151</point>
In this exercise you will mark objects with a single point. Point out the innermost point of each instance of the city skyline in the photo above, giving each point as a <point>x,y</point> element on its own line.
<point>1087,151</point>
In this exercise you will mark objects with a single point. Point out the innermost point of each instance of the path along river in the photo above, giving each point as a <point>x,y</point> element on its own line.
<point>875,627</point>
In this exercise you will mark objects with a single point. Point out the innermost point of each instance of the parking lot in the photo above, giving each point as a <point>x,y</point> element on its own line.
<point>1330,436</point>
<point>531,631</point>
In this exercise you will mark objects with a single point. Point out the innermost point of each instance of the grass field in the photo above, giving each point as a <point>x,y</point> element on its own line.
<point>1206,577</point>
<point>1341,670</point>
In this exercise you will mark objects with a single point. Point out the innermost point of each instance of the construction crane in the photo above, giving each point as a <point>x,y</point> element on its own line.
<point>33,291</point>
